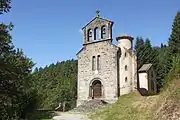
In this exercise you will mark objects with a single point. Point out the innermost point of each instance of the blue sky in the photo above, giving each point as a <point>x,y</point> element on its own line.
<point>49,30</point>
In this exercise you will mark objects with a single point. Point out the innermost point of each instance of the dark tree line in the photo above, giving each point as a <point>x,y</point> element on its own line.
<point>56,84</point>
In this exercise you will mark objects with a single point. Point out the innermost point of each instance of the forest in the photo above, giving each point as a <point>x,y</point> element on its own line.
<point>23,91</point>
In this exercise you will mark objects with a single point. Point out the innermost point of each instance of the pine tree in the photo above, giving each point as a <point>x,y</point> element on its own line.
<point>148,54</point>
<point>162,64</point>
<point>145,53</point>
<point>139,46</point>
<point>174,40</point>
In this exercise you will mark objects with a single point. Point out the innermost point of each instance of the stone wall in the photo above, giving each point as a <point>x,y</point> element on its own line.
<point>98,23</point>
<point>107,73</point>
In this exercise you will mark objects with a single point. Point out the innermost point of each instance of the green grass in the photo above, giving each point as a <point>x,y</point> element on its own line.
<point>123,109</point>
<point>136,107</point>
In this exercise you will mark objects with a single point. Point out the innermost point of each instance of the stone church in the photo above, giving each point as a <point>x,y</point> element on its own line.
<point>105,70</point>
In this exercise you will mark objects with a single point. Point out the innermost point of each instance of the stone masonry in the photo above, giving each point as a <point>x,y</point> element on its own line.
<point>105,70</point>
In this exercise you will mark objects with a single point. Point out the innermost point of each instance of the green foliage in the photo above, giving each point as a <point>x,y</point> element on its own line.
<point>5,6</point>
<point>149,54</point>
<point>16,100</point>
<point>163,64</point>
<point>15,69</point>
<point>139,47</point>
<point>174,72</point>
<point>174,40</point>
<point>144,51</point>
<point>41,115</point>
<point>56,84</point>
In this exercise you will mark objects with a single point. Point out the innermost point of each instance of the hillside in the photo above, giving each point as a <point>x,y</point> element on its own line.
<point>165,106</point>
<point>136,107</point>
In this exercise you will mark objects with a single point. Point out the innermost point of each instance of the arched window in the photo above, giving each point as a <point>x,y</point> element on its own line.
<point>90,32</point>
<point>98,62</point>
<point>103,32</point>
<point>93,62</point>
<point>96,33</point>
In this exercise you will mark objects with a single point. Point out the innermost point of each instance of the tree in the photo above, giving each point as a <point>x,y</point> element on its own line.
<point>56,83</point>
<point>15,69</point>
<point>149,53</point>
<point>5,6</point>
<point>174,40</point>
<point>162,64</point>
<point>145,53</point>
<point>139,46</point>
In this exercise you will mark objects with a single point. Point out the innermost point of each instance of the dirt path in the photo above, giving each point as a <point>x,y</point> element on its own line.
<point>70,116</point>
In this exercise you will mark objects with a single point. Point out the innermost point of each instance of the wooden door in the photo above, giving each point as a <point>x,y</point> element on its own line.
<point>97,91</point>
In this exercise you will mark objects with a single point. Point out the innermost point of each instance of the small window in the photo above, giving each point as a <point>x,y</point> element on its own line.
<point>125,54</point>
<point>93,62</point>
<point>126,67</point>
<point>90,35</point>
<point>103,32</point>
<point>125,79</point>
<point>96,33</point>
<point>98,62</point>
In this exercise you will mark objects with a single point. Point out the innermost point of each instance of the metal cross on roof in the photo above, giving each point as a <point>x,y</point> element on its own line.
<point>98,13</point>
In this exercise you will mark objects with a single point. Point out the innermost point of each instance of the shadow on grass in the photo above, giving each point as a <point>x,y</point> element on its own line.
<point>42,115</point>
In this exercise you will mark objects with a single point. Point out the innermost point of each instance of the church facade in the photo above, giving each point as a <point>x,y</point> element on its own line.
<point>105,70</point>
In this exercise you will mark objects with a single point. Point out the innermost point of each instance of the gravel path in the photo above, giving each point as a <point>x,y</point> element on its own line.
<point>77,113</point>
<point>70,116</point>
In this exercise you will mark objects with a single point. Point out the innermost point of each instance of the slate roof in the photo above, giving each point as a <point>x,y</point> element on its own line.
<point>145,67</point>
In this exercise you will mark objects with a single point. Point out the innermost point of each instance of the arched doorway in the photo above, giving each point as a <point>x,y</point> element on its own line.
<point>96,89</point>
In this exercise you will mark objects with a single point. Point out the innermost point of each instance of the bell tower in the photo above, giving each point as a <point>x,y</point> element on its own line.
<point>125,42</point>
<point>98,29</point>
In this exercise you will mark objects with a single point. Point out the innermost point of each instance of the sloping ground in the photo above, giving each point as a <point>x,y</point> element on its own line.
<point>165,106</point>
<point>169,108</point>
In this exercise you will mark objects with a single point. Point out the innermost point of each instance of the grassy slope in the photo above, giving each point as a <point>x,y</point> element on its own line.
<point>133,106</point>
